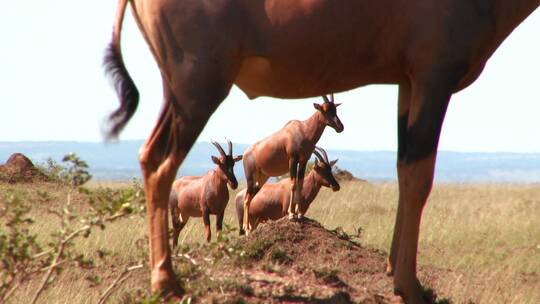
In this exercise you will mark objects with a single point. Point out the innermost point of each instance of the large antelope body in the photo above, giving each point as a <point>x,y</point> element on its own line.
<point>273,200</point>
<point>194,196</point>
<point>308,48</point>
<point>287,151</point>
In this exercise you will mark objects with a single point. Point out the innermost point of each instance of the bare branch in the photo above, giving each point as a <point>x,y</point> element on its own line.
<point>11,291</point>
<point>49,273</point>
<point>117,282</point>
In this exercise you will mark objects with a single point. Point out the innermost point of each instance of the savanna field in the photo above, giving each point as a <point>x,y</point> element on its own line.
<point>480,243</point>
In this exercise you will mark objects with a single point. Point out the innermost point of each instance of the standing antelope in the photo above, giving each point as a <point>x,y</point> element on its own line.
<point>273,200</point>
<point>297,49</point>
<point>194,196</point>
<point>287,150</point>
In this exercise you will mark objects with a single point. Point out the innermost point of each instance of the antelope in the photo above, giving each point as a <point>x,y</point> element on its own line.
<point>287,150</point>
<point>200,196</point>
<point>297,49</point>
<point>272,201</point>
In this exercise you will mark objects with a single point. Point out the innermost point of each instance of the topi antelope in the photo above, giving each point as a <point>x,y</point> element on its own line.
<point>297,49</point>
<point>272,201</point>
<point>287,151</point>
<point>194,196</point>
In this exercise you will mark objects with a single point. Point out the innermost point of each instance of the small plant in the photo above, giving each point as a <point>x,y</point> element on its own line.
<point>256,249</point>
<point>280,256</point>
<point>76,170</point>
<point>18,246</point>
<point>72,171</point>
<point>327,275</point>
<point>23,258</point>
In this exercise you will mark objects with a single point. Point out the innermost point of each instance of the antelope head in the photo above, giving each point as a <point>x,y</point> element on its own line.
<point>329,112</point>
<point>225,163</point>
<point>323,167</point>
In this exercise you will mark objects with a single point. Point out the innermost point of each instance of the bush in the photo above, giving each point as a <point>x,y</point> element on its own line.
<point>23,258</point>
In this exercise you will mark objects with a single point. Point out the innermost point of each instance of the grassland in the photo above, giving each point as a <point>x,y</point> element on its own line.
<point>484,239</point>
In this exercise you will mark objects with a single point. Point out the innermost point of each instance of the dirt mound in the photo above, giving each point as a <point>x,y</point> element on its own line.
<point>344,175</point>
<point>19,168</point>
<point>286,262</point>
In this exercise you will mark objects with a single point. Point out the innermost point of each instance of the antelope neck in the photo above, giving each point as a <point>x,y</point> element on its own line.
<point>314,127</point>
<point>219,177</point>
<point>311,187</point>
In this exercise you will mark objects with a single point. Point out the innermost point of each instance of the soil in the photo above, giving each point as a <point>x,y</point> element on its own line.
<point>289,262</point>
<point>20,169</point>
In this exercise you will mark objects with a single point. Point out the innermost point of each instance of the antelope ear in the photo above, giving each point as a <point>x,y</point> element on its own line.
<point>238,158</point>
<point>332,163</point>
<point>216,160</point>
<point>318,107</point>
<point>337,104</point>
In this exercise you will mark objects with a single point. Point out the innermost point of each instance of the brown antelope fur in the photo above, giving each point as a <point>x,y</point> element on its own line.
<point>307,48</point>
<point>272,201</point>
<point>200,196</point>
<point>287,151</point>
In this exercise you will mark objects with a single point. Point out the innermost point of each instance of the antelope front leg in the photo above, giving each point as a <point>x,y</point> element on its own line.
<point>206,220</point>
<point>293,168</point>
<point>219,223</point>
<point>403,113</point>
<point>300,184</point>
<point>178,225</point>
<point>416,164</point>
<point>247,200</point>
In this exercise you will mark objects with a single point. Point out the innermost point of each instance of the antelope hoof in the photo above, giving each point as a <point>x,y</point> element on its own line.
<point>389,269</point>
<point>412,292</point>
<point>300,216</point>
<point>291,216</point>
<point>165,282</point>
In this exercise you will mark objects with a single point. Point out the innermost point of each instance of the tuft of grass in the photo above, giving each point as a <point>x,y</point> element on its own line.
<point>278,255</point>
<point>327,275</point>
<point>255,249</point>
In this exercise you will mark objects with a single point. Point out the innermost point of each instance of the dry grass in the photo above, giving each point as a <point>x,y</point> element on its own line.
<point>486,238</point>
<point>488,235</point>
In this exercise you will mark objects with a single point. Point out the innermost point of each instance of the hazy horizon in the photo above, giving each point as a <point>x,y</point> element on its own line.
<point>120,161</point>
<point>104,143</point>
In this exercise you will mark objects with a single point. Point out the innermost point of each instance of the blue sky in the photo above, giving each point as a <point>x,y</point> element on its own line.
<point>52,87</point>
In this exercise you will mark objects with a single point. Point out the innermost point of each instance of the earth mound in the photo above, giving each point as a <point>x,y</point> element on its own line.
<point>19,168</point>
<point>285,262</point>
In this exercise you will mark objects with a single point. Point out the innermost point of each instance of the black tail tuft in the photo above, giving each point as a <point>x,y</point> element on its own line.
<point>125,89</point>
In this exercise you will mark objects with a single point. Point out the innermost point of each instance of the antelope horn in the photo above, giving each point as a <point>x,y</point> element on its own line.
<point>324,153</point>
<point>230,147</point>
<point>332,97</point>
<point>325,98</point>
<point>220,149</point>
<point>318,155</point>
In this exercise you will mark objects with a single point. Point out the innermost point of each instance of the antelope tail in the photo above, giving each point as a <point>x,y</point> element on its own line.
<point>123,84</point>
